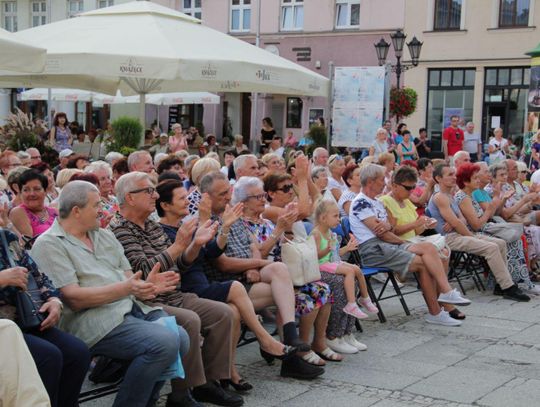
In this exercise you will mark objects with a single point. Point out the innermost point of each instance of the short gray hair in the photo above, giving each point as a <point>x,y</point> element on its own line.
<point>371,172</point>
<point>241,160</point>
<point>189,159</point>
<point>240,189</point>
<point>98,165</point>
<point>74,194</point>
<point>127,182</point>
<point>23,155</point>
<point>318,150</point>
<point>159,157</point>
<point>317,170</point>
<point>495,168</point>
<point>134,157</point>
<point>461,154</point>
<point>113,156</point>
<point>208,180</point>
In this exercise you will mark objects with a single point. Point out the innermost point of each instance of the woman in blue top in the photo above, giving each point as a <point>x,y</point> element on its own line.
<point>60,137</point>
<point>406,150</point>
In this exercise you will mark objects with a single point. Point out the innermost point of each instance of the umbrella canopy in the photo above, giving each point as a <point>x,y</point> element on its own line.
<point>141,47</point>
<point>166,99</point>
<point>79,95</point>
<point>18,56</point>
<point>59,95</point>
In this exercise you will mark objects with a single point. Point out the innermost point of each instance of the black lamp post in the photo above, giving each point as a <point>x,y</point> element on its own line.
<point>398,40</point>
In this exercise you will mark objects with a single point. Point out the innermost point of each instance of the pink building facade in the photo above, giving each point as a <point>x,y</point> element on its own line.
<point>311,33</point>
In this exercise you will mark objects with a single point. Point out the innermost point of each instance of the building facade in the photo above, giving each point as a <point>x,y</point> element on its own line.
<point>311,33</point>
<point>473,63</point>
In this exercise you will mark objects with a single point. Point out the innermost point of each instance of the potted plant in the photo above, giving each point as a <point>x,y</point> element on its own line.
<point>126,132</point>
<point>402,102</point>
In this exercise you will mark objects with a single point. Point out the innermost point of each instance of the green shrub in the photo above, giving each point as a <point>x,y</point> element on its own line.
<point>126,132</point>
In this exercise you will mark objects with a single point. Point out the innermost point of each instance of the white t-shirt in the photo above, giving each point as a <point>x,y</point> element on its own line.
<point>471,141</point>
<point>498,155</point>
<point>363,207</point>
<point>345,197</point>
<point>535,178</point>
<point>333,184</point>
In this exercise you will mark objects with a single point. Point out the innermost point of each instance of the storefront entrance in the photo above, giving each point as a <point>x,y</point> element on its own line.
<point>505,102</point>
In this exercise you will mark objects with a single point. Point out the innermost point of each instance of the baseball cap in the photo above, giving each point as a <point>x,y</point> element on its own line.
<point>163,135</point>
<point>66,153</point>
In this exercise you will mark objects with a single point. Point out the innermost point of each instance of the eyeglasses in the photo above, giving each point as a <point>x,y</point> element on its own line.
<point>148,190</point>
<point>36,190</point>
<point>35,157</point>
<point>408,187</point>
<point>258,197</point>
<point>523,172</point>
<point>285,188</point>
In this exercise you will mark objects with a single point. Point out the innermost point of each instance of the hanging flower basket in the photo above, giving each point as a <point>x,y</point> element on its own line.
<point>402,102</point>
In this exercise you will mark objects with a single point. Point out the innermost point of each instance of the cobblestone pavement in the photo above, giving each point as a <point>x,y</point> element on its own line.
<point>493,359</point>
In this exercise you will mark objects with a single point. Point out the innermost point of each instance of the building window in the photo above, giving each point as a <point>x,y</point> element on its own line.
<point>294,113</point>
<point>505,101</point>
<point>192,8</point>
<point>450,92</point>
<point>240,15</point>
<point>9,15</point>
<point>39,13</point>
<point>292,15</point>
<point>447,15</point>
<point>514,13</point>
<point>347,13</point>
<point>75,7</point>
<point>105,3</point>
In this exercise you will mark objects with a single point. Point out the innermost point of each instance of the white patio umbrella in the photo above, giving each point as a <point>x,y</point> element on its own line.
<point>17,56</point>
<point>162,99</point>
<point>59,95</point>
<point>141,48</point>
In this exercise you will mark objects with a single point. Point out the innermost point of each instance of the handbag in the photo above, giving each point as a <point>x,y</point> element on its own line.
<point>509,232</point>
<point>300,256</point>
<point>27,302</point>
<point>437,240</point>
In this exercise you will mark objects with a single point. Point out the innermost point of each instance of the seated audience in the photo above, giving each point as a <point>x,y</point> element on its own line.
<point>103,298</point>
<point>336,168</point>
<point>380,247</point>
<point>452,224</point>
<point>145,246</point>
<point>62,360</point>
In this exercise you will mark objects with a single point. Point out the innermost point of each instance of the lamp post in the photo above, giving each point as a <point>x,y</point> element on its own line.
<point>398,40</point>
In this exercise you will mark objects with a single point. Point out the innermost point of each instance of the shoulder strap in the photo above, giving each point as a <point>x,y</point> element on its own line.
<point>5,246</point>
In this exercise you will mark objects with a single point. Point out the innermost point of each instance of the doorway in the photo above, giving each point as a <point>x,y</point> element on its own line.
<point>495,116</point>
<point>278,110</point>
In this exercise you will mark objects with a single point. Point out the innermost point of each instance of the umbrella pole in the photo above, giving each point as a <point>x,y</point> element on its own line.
<point>142,109</point>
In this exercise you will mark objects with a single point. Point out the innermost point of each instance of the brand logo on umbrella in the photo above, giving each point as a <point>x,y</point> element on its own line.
<point>314,85</point>
<point>263,75</point>
<point>230,85</point>
<point>131,67</point>
<point>209,71</point>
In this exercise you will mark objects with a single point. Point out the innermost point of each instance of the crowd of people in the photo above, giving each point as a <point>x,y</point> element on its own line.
<point>116,245</point>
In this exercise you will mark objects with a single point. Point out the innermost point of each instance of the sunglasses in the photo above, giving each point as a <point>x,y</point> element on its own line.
<point>408,187</point>
<point>285,188</point>
<point>523,172</point>
<point>458,136</point>
<point>148,190</point>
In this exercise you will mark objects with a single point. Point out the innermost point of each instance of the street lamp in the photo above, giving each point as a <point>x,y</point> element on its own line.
<point>398,40</point>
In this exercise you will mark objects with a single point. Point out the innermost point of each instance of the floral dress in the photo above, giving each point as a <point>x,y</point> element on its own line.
<point>517,265</point>
<point>308,297</point>
<point>532,232</point>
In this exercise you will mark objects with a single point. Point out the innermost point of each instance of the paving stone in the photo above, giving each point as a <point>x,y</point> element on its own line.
<point>515,393</point>
<point>459,384</point>
<point>338,398</point>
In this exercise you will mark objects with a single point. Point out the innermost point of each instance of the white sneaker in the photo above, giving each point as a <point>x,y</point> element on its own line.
<point>351,340</point>
<point>534,290</point>
<point>442,318</point>
<point>454,297</point>
<point>340,346</point>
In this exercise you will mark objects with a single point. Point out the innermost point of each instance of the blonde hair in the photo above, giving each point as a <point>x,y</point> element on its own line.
<point>65,175</point>
<point>202,167</point>
<point>323,206</point>
<point>267,157</point>
<point>385,157</point>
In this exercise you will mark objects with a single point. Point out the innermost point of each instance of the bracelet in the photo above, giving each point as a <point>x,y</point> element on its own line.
<point>221,233</point>
<point>58,301</point>
<point>274,236</point>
